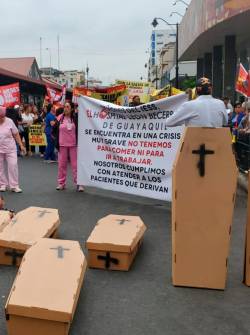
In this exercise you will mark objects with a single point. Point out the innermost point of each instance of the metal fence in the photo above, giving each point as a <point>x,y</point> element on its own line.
<point>242,152</point>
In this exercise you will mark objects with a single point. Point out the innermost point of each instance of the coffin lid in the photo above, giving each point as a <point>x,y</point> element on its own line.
<point>28,226</point>
<point>4,219</point>
<point>47,286</point>
<point>119,233</point>
<point>202,208</point>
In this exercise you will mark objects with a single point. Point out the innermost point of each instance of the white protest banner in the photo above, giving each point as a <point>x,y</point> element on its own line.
<point>128,149</point>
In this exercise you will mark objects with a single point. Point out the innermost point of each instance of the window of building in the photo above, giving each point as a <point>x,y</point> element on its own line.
<point>159,35</point>
<point>159,43</point>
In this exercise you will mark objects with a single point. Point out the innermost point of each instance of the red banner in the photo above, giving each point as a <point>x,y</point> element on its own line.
<point>10,95</point>
<point>109,94</point>
<point>242,84</point>
<point>102,90</point>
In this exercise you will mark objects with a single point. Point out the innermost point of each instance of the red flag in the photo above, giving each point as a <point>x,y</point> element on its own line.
<point>56,96</point>
<point>10,95</point>
<point>242,84</point>
<point>53,94</point>
<point>63,97</point>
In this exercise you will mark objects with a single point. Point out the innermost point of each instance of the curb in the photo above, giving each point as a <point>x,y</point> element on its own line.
<point>243,181</point>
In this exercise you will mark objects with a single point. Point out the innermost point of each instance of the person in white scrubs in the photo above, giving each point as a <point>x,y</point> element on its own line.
<point>205,111</point>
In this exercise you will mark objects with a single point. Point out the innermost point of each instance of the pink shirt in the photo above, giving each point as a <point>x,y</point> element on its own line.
<point>67,133</point>
<point>7,141</point>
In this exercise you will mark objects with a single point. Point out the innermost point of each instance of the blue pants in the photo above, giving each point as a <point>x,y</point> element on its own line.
<point>50,149</point>
<point>17,149</point>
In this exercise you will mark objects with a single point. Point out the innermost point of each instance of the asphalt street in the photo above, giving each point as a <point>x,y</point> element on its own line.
<point>143,300</point>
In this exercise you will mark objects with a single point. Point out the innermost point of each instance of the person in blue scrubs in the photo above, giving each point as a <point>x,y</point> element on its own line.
<point>49,123</point>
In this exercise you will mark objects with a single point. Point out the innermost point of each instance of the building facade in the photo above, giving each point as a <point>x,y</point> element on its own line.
<point>166,63</point>
<point>216,34</point>
<point>25,66</point>
<point>187,74</point>
<point>25,71</point>
<point>159,38</point>
<point>69,78</point>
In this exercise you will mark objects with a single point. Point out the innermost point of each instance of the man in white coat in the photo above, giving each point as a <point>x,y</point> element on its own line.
<point>205,111</point>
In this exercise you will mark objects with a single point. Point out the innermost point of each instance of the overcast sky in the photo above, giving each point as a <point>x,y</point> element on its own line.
<point>112,36</point>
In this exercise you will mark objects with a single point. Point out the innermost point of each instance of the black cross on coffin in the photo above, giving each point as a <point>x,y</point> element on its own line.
<point>202,152</point>
<point>122,221</point>
<point>60,251</point>
<point>108,260</point>
<point>42,213</point>
<point>15,255</point>
<point>14,220</point>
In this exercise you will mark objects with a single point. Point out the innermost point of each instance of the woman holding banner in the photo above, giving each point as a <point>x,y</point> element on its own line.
<point>65,134</point>
<point>39,121</point>
<point>9,135</point>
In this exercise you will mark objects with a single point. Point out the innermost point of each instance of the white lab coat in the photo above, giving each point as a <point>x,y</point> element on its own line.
<point>205,111</point>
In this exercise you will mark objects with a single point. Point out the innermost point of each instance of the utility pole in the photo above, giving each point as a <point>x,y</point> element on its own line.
<point>156,79</point>
<point>177,57</point>
<point>154,24</point>
<point>58,50</point>
<point>50,60</point>
<point>41,62</point>
<point>87,73</point>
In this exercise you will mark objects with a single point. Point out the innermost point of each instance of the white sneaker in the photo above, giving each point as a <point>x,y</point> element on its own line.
<point>3,188</point>
<point>60,188</point>
<point>17,190</point>
<point>80,188</point>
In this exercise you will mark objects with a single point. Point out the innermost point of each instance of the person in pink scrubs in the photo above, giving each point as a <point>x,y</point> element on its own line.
<point>9,135</point>
<point>66,143</point>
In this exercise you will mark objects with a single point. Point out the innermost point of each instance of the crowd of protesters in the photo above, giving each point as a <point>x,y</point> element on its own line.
<point>238,117</point>
<point>60,127</point>
<point>239,123</point>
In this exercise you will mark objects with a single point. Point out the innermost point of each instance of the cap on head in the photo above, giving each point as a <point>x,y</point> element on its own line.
<point>204,86</point>
<point>2,111</point>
